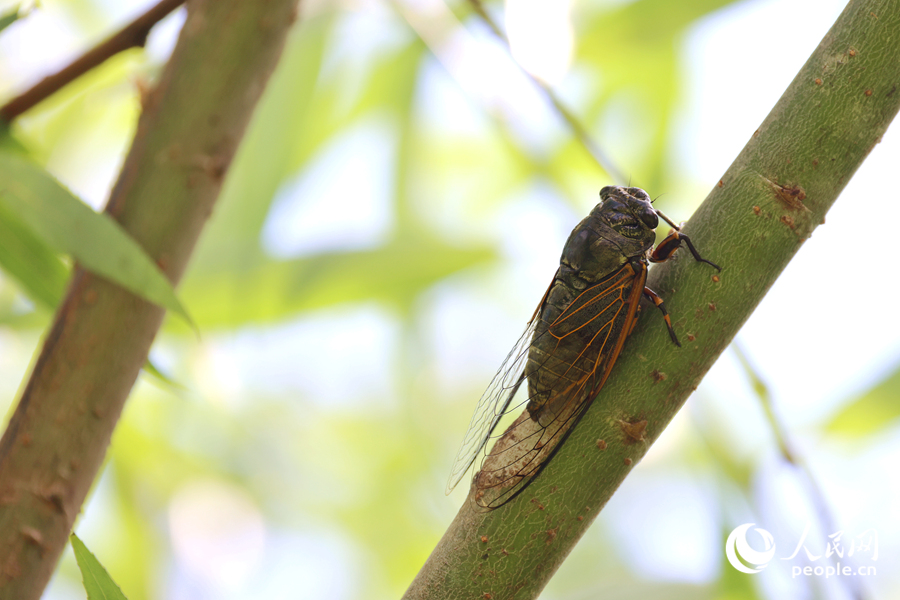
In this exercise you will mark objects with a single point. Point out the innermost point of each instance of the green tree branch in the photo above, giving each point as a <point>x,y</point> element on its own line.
<point>187,135</point>
<point>768,202</point>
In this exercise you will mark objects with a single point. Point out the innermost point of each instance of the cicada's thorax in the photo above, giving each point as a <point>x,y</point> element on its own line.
<point>590,287</point>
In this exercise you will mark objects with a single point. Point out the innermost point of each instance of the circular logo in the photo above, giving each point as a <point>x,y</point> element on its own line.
<point>737,548</point>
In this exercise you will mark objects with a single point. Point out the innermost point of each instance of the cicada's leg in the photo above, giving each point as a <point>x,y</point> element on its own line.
<point>662,307</point>
<point>635,320</point>
<point>666,248</point>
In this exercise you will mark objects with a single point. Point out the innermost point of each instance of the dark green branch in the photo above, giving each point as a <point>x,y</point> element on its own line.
<point>769,201</point>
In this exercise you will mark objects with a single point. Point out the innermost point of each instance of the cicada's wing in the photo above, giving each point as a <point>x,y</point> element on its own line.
<point>492,405</point>
<point>576,354</point>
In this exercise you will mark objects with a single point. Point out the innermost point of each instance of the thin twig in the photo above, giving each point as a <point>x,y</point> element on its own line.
<point>433,28</point>
<point>133,35</point>
<point>765,399</point>
<point>815,491</point>
<point>581,133</point>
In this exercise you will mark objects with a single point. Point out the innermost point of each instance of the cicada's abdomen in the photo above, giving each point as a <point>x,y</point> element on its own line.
<point>560,373</point>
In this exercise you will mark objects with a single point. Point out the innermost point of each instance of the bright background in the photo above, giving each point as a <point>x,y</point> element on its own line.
<point>393,217</point>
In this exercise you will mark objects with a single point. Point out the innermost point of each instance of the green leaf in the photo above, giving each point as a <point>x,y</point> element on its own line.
<point>9,17</point>
<point>9,143</point>
<point>167,381</point>
<point>29,261</point>
<point>876,409</point>
<point>266,290</point>
<point>97,582</point>
<point>68,225</point>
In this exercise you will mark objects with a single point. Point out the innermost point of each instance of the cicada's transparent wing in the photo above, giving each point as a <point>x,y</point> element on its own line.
<point>493,404</point>
<point>570,362</point>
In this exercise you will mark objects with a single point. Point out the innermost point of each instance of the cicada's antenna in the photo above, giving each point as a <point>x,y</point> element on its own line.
<point>667,219</point>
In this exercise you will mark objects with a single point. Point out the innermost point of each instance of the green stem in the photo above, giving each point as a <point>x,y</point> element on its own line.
<point>192,122</point>
<point>752,223</point>
<point>600,156</point>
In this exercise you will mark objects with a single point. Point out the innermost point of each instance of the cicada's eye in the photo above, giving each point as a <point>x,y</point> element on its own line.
<point>649,217</point>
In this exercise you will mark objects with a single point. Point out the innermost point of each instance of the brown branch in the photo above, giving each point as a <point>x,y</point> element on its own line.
<point>133,35</point>
<point>56,440</point>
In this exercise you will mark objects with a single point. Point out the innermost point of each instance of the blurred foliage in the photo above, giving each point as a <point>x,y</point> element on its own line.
<point>9,17</point>
<point>347,485</point>
<point>871,412</point>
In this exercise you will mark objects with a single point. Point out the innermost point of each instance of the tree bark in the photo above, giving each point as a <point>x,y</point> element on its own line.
<point>186,137</point>
<point>755,219</point>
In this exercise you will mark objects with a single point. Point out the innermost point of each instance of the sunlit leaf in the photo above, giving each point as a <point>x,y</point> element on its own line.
<point>95,240</point>
<point>152,370</point>
<point>97,582</point>
<point>271,289</point>
<point>8,142</point>
<point>876,409</point>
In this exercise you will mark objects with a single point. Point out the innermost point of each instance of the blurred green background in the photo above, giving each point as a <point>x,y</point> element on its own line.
<point>394,215</point>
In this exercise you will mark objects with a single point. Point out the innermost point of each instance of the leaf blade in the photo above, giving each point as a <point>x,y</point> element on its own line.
<point>97,582</point>
<point>9,17</point>
<point>28,260</point>
<point>94,239</point>
<point>872,412</point>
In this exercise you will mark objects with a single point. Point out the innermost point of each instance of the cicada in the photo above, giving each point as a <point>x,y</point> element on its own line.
<point>571,342</point>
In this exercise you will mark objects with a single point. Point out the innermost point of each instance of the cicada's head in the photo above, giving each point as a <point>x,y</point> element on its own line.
<point>628,211</point>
